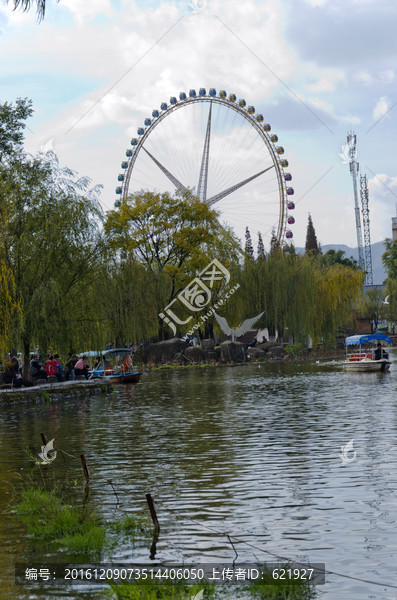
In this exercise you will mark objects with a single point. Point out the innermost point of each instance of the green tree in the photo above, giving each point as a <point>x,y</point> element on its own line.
<point>12,124</point>
<point>336,257</point>
<point>307,298</point>
<point>125,297</point>
<point>274,243</point>
<point>389,258</point>
<point>261,248</point>
<point>311,244</point>
<point>390,302</point>
<point>372,306</point>
<point>10,309</point>
<point>50,239</point>
<point>174,238</point>
<point>249,249</point>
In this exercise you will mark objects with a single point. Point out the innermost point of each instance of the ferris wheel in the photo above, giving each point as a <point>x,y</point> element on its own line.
<point>220,150</point>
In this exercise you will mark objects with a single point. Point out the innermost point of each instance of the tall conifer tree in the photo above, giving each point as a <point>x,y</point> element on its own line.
<point>311,238</point>
<point>261,247</point>
<point>249,249</point>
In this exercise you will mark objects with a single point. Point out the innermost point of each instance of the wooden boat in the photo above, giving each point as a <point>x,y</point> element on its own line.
<point>365,358</point>
<point>116,366</point>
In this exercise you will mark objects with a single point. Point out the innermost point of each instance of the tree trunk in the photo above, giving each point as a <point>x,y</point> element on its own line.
<point>26,360</point>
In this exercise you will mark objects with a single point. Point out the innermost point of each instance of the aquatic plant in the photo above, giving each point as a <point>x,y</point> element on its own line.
<point>293,350</point>
<point>153,590</point>
<point>72,527</point>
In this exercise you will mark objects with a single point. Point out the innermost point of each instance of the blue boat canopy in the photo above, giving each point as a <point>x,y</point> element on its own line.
<point>99,353</point>
<point>355,340</point>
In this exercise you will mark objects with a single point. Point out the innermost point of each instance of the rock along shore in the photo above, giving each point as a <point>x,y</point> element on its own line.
<point>177,352</point>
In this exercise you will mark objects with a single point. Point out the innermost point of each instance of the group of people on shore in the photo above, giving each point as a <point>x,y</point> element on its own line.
<point>53,367</point>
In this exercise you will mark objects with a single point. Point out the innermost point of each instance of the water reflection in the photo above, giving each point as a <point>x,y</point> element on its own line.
<point>247,451</point>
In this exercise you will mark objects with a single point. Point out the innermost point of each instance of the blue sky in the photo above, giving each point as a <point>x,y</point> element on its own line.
<point>313,68</point>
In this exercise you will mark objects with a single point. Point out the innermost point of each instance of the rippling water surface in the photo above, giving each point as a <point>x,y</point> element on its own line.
<point>250,451</point>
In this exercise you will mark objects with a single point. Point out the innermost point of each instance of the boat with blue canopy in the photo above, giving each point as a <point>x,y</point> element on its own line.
<point>116,366</point>
<point>367,353</point>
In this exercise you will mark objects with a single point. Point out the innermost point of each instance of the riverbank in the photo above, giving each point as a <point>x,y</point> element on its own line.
<point>256,355</point>
<point>53,392</point>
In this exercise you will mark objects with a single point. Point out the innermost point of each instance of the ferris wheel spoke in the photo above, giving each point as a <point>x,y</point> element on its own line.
<point>166,172</point>
<point>203,178</point>
<point>235,187</point>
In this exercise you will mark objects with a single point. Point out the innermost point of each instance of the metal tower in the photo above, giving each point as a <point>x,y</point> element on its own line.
<point>367,235</point>
<point>351,146</point>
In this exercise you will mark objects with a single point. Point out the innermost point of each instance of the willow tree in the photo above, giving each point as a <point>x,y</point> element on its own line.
<point>10,309</point>
<point>125,297</point>
<point>49,239</point>
<point>389,259</point>
<point>372,305</point>
<point>306,297</point>
<point>52,244</point>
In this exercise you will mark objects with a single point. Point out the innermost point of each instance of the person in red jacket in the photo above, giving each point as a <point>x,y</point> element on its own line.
<point>51,368</point>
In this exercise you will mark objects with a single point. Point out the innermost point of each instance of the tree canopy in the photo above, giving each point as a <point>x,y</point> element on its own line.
<point>336,257</point>
<point>50,239</point>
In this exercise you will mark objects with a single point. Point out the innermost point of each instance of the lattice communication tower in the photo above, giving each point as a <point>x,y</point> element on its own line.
<point>364,250</point>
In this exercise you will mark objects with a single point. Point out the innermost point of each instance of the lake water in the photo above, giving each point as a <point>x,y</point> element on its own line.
<point>249,451</point>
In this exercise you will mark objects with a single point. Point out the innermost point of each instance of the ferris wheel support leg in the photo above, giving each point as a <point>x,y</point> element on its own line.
<point>166,172</point>
<point>235,187</point>
<point>202,184</point>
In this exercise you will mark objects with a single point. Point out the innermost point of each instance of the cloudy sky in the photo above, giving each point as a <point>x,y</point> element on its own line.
<point>314,68</point>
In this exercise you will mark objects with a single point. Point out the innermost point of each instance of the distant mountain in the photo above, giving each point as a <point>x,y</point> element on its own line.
<point>378,272</point>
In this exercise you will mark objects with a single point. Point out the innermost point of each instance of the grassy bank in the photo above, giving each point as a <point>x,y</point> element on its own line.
<point>56,524</point>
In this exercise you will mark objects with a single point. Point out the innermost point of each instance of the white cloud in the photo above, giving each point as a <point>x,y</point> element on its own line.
<point>383,188</point>
<point>382,107</point>
<point>328,80</point>
<point>364,77</point>
<point>387,76</point>
<point>254,48</point>
<point>88,9</point>
<point>316,2</point>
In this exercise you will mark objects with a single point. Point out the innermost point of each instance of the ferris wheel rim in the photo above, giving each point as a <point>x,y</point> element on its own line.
<point>241,110</point>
